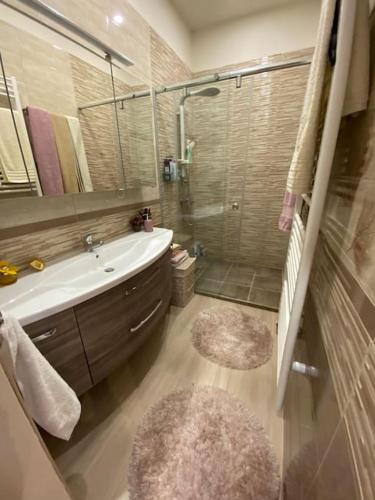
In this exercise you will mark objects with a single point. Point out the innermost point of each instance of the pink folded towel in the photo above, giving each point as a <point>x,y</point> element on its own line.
<point>287,212</point>
<point>39,125</point>
<point>179,257</point>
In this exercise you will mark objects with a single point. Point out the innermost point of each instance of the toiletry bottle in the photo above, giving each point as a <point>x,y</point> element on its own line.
<point>167,170</point>
<point>173,167</point>
<point>148,221</point>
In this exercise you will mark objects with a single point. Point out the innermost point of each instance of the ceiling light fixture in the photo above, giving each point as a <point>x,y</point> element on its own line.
<point>117,19</point>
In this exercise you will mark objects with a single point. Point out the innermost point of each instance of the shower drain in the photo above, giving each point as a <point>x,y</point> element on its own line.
<point>109,269</point>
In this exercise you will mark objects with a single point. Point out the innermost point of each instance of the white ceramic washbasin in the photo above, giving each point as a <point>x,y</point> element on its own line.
<point>74,280</point>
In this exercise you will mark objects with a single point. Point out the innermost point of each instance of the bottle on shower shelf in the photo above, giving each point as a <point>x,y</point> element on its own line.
<point>189,151</point>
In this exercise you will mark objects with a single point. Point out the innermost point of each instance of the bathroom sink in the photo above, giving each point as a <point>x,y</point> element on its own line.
<point>76,279</point>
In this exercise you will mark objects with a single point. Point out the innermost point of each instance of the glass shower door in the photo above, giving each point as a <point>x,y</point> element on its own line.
<point>193,200</point>
<point>226,123</point>
<point>214,215</point>
<point>230,186</point>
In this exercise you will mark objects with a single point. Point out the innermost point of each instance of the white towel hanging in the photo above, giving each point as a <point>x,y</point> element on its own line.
<point>48,398</point>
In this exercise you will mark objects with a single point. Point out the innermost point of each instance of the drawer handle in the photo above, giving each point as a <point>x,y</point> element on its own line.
<point>133,330</point>
<point>43,336</point>
<point>132,290</point>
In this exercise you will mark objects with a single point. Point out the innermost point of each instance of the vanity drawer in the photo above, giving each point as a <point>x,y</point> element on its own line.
<point>58,339</point>
<point>156,272</point>
<point>116,322</point>
<point>145,324</point>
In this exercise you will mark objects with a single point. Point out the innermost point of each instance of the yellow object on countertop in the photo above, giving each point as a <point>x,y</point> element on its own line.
<point>8,273</point>
<point>37,264</point>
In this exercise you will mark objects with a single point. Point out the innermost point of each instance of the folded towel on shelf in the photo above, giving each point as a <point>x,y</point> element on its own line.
<point>178,251</point>
<point>40,129</point>
<point>12,166</point>
<point>66,153</point>
<point>181,261</point>
<point>179,257</point>
<point>49,399</point>
<point>75,130</point>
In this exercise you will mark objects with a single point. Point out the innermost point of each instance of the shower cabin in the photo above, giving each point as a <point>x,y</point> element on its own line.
<point>232,137</point>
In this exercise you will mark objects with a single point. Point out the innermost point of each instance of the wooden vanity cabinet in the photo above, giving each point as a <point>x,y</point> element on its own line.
<point>86,343</point>
<point>114,324</point>
<point>58,339</point>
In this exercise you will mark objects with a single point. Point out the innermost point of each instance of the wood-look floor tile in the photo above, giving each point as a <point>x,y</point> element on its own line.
<point>95,461</point>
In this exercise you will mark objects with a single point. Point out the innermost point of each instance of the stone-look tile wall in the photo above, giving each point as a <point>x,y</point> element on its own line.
<point>52,243</point>
<point>50,73</point>
<point>95,16</point>
<point>244,143</point>
<point>42,71</point>
<point>137,140</point>
<point>98,125</point>
<point>117,224</point>
<point>45,244</point>
<point>343,298</point>
<point>238,155</point>
<point>109,168</point>
<point>276,105</point>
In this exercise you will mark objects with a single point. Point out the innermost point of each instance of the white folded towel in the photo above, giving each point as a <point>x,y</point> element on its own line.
<point>75,130</point>
<point>11,162</point>
<point>49,399</point>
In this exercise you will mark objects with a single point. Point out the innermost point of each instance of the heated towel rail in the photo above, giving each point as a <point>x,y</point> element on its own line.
<point>8,85</point>
<point>304,237</point>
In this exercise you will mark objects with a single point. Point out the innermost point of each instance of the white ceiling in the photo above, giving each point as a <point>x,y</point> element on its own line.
<point>203,13</point>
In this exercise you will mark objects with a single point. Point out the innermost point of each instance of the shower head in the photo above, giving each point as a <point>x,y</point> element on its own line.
<point>207,92</point>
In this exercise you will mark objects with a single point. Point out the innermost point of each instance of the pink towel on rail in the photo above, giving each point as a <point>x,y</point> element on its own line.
<point>286,217</point>
<point>39,125</point>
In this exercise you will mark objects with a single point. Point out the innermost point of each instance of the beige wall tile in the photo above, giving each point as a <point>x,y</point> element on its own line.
<point>46,244</point>
<point>41,70</point>
<point>98,126</point>
<point>166,67</point>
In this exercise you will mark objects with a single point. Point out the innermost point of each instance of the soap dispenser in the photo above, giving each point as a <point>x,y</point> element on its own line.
<point>148,226</point>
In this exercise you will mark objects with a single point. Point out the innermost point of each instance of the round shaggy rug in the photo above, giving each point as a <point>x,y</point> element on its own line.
<point>232,338</point>
<point>202,443</point>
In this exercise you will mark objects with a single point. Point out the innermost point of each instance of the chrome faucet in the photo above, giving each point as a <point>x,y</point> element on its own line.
<point>90,244</point>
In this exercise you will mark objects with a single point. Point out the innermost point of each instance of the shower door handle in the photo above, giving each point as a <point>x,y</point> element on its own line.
<point>235,205</point>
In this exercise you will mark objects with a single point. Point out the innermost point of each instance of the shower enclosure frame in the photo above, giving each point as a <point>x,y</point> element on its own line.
<point>180,136</point>
<point>216,77</point>
<point>213,78</point>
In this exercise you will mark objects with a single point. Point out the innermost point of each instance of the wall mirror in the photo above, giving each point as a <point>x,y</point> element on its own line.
<point>71,122</point>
